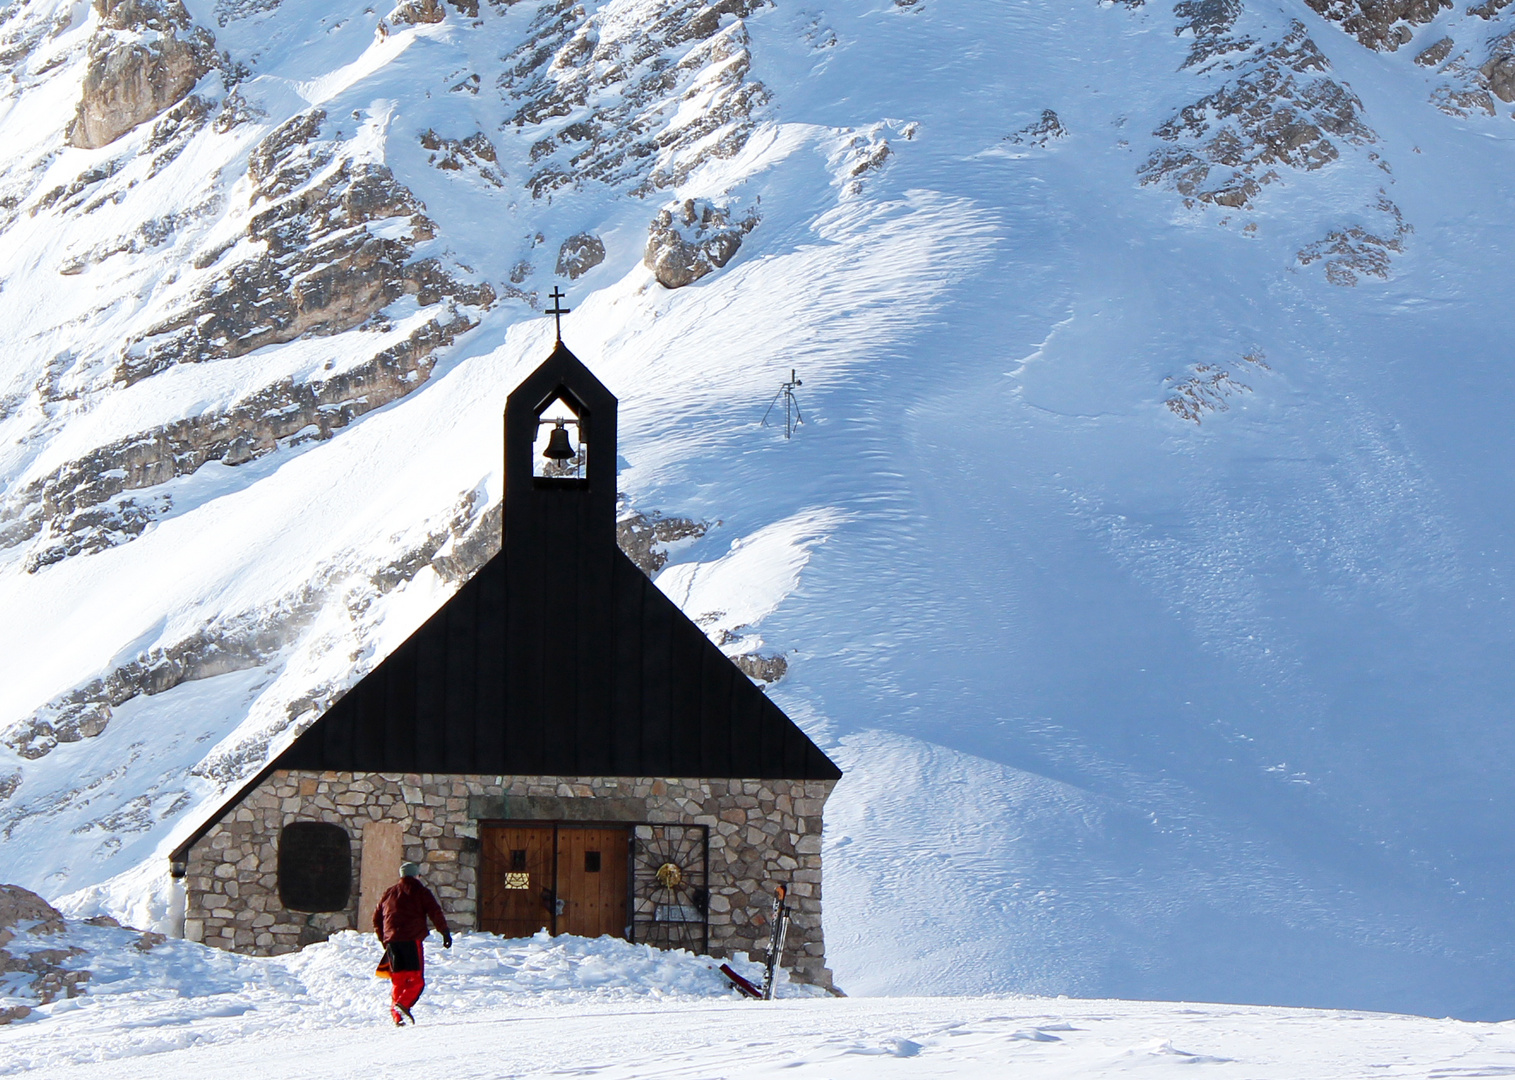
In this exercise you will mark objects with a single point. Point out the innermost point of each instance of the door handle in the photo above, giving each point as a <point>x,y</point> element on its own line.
<point>558,906</point>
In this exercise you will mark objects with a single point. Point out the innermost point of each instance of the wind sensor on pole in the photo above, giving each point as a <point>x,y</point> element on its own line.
<point>557,311</point>
<point>792,418</point>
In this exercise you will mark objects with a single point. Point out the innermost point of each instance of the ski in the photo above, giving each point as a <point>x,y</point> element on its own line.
<point>740,983</point>
<point>779,920</point>
<point>774,957</point>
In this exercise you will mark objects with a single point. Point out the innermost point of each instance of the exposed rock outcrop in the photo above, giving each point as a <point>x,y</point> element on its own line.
<point>1209,23</point>
<point>1462,101</point>
<point>1357,250</point>
<point>330,242</point>
<point>418,11</point>
<point>64,198</point>
<point>1206,389</point>
<point>33,970</point>
<point>1280,110</point>
<point>1384,25</point>
<point>626,85</point>
<point>763,668</point>
<point>454,550</point>
<point>145,56</point>
<point>692,239</point>
<point>474,156</point>
<point>1040,132</point>
<point>322,270</point>
<point>865,153</point>
<point>233,645</point>
<point>579,254</point>
<point>643,537</point>
<point>24,911</point>
<point>1435,53</point>
<point>86,505</point>
<point>20,38</point>
<point>1464,90</point>
<point>1499,70</point>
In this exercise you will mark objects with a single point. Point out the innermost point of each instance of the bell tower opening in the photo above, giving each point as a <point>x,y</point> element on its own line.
<point>560,451</point>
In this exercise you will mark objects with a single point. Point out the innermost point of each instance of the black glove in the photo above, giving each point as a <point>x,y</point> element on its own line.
<point>446,940</point>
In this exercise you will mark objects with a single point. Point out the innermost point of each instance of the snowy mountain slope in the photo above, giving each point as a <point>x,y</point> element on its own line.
<point>1143,556</point>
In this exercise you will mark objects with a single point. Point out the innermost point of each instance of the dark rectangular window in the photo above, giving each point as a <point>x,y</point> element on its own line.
<point>315,866</point>
<point>518,860</point>
<point>591,862</point>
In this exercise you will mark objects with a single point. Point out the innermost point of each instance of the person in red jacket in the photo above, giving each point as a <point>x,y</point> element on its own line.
<point>400,921</point>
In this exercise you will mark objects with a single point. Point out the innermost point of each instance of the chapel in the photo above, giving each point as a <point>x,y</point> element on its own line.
<point>559,747</point>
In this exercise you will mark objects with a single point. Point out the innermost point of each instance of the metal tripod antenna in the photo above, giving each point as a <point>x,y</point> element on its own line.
<point>792,417</point>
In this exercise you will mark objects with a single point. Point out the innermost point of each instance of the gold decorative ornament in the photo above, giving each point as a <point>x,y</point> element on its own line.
<point>670,876</point>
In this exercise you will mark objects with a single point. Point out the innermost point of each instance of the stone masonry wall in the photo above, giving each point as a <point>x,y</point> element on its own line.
<point>760,831</point>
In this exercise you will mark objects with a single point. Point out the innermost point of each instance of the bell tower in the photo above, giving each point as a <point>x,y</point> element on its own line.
<point>559,550</point>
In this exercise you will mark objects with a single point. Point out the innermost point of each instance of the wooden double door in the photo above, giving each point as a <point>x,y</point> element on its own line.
<point>562,878</point>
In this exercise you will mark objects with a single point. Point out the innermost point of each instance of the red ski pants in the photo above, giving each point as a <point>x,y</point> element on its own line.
<point>406,986</point>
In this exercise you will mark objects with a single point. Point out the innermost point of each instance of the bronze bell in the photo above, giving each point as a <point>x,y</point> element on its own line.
<point>558,448</point>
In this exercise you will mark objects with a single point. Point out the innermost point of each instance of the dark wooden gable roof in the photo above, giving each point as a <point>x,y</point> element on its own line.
<point>559,657</point>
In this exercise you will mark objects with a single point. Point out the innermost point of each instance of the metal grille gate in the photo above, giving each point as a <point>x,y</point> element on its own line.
<point>670,895</point>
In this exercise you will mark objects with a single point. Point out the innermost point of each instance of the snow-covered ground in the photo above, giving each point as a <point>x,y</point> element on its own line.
<point>577,1007</point>
<point>972,1038</point>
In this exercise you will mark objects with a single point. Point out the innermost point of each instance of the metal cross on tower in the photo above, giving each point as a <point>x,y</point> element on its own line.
<point>557,310</point>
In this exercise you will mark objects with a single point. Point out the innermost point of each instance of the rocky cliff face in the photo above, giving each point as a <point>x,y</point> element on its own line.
<point>311,261</point>
<point>603,94</point>
<point>144,57</point>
